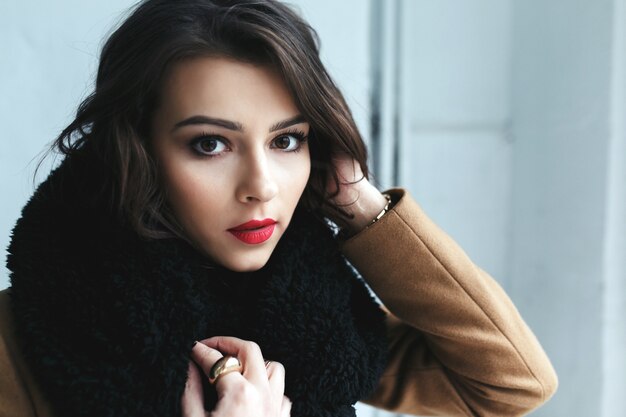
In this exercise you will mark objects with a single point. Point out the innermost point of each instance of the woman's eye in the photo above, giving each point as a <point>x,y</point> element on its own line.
<point>289,142</point>
<point>208,145</point>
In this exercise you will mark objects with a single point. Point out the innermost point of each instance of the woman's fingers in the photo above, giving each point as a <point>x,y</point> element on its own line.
<point>206,357</point>
<point>248,353</point>
<point>285,409</point>
<point>276,377</point>
<point>259,390</point>
<point>192,402</point>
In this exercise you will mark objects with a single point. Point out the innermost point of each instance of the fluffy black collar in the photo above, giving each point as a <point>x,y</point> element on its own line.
<point>107,319</point>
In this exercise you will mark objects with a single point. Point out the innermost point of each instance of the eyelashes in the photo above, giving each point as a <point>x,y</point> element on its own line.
<point>206,138</point>
<point>299,137</point>
<point>210,145</point>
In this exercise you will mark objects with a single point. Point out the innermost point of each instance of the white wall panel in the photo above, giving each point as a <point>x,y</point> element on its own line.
<point>456,61</point>
<point>462,180</point>
<point>454,119</point>
<point>614,314</point>
<point>561,106</point>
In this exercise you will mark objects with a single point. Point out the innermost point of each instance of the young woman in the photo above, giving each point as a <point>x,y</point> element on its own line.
<point>193,204</point>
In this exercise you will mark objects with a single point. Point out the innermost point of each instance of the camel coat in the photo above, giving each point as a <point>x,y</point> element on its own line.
<point>458,346</point>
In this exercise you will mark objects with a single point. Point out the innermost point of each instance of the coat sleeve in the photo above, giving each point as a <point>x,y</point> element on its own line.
<point>19,394</point>
<point>458,346</point>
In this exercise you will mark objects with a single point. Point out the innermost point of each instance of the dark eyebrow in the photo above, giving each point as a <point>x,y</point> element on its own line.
<point>204,120</point>
<point>227,124</point>
<point>289,122</point>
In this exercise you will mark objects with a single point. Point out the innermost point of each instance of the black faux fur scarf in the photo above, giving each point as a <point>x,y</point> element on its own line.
<point>107,319</point>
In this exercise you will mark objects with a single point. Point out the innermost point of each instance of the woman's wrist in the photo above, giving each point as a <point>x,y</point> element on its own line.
<point>369,204</point>
<point>356,196</point>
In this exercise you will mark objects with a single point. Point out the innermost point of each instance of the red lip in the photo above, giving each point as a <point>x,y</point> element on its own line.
<point>254,231</point>
<point>253,224</point>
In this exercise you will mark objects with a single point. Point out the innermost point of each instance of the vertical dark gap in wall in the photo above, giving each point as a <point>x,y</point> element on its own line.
<point>397,73</point>
<point>376,38</point>
<point>381,63</point>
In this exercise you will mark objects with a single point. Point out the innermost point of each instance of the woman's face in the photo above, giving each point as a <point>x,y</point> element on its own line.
<point>231,146</point>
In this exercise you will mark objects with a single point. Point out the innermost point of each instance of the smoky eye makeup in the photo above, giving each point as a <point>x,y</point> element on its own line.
<point>290,141</point>
<point>212,145</point>
<point>209,145</point>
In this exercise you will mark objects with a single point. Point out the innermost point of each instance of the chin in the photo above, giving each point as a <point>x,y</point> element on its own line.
<point>246,265</point>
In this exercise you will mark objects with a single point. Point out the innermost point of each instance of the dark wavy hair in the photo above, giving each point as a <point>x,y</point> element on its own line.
<point>113,121</point>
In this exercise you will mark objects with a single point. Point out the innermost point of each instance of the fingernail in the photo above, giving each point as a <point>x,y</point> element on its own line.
<point>194,344</point>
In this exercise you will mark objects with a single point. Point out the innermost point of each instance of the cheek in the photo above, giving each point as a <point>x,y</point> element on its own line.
<point>193,191</point>
<point>295,175</point>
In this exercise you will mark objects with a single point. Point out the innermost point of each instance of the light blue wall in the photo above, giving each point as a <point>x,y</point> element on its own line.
<point>47,65</point>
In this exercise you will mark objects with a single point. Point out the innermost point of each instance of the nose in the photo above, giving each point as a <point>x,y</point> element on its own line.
<point>257,181</point>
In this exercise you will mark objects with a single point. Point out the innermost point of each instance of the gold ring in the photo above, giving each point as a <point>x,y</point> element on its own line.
<point>223,366</point>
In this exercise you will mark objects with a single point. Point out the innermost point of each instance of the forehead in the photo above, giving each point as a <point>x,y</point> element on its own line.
<point>223,87</point>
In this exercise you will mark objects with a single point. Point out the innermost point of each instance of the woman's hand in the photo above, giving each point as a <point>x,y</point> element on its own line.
<point>256,392</point>
<point>356,194</point>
